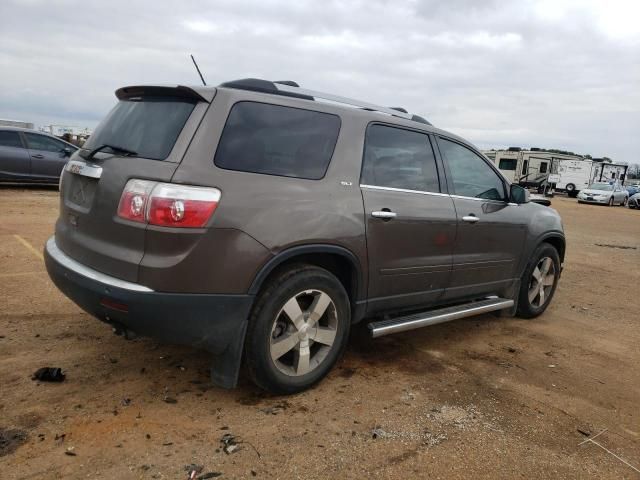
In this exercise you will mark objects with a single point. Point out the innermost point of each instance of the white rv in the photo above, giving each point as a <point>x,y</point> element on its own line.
<point>573,175</point>
<point>562,171</point>
<point>528,167</point>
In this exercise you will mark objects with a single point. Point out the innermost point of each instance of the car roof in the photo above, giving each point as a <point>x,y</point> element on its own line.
<point>290,90</point>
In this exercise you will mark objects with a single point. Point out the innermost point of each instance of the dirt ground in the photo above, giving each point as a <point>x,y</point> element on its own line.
<point>485,397</point>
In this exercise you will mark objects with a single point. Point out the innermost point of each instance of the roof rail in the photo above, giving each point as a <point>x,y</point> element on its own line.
<point>290,89</point>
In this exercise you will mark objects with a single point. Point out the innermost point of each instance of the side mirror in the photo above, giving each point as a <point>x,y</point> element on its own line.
<point>518,195</point>
<point>67,151</point>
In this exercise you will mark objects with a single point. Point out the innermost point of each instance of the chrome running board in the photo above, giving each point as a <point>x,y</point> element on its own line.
<point>441,315</point>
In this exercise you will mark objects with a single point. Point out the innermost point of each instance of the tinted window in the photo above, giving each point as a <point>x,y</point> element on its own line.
<point>543,167</point>
<point>148,126</point>
<point>399,158</point>
<point>277,140</point>
<point>40,142</point>
<point>507,164</point>
<point>10,139</point>
<point>471,176</point>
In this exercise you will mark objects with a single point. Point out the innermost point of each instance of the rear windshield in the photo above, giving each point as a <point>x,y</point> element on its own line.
<point>148,126</point>
<point>277,140</point>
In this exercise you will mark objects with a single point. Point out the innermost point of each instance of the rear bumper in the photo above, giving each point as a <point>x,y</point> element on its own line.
<point>216,323</point>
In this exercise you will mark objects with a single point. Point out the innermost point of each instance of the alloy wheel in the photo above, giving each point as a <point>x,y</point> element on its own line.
<point>542,280</point>
<point>303,332</point>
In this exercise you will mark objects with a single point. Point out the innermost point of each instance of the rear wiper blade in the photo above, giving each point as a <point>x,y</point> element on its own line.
<point>114,148</point>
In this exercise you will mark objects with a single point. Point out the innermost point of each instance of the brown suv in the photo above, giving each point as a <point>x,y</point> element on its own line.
<point>260,221</point>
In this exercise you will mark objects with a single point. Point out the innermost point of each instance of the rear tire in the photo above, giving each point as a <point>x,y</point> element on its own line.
<point>539,281</point>
<point>298,330</point>
<point>623,203</point>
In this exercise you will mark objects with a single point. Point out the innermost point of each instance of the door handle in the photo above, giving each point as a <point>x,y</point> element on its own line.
<point>470,219</point>
<point>37,155</point>
<point>384,214</point>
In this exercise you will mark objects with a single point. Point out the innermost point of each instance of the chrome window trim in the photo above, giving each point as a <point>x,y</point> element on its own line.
<point>80,269</point>
<point>437,194</point>
<point>83,168</point>
<point>477,199</point>
<point>403,190</point>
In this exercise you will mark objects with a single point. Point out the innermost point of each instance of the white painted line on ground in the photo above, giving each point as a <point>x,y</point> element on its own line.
<point>29,247</point>
<point>19,274</point>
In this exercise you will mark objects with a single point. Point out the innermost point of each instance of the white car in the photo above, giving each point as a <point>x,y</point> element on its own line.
<point>634,201</point>
<point>604,193</point>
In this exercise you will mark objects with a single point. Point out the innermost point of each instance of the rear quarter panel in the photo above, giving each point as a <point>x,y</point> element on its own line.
<point>281,212</point>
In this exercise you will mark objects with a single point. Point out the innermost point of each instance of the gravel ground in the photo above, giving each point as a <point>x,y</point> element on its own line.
<point>485,397</point>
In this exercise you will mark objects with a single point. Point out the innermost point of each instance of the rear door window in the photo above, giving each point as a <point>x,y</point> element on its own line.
<point>277,140</point>
<point>398,158</point>
<point>41,142</point>
<point>146,125</point>
<point>10,139</point>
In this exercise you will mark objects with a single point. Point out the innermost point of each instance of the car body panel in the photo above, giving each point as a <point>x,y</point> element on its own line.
<point>28,164</point>
<point>410,256</point>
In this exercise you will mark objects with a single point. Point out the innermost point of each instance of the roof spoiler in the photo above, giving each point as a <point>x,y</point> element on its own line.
<point>179,91</point>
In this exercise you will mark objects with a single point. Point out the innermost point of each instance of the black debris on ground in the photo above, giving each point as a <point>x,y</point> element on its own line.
<point>49,374</point>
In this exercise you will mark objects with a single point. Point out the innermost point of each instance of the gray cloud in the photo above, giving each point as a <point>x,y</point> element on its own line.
<point>561,74</point>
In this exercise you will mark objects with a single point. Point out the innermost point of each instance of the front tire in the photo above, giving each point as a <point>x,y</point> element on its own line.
<point>610,204</point>
<point>539,281</point>
<point>298,330</point>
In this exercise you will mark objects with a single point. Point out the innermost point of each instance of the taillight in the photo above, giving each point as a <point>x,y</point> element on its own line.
<point>134,199</point>
<point>167,204</point>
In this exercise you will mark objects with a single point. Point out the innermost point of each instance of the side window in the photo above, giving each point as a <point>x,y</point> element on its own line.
<point>471,176</point>
<point>10,139</point>
<point>40,142</point>
<point>277,140</point>
<point>398,158</point>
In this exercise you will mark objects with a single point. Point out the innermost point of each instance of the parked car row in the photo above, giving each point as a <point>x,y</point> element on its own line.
<point>27,156</point>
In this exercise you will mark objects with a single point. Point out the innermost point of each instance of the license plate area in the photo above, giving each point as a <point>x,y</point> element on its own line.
<point>590,199</point>
<point>79,191</point>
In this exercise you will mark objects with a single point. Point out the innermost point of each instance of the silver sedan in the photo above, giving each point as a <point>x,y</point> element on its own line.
<point>604,194</point>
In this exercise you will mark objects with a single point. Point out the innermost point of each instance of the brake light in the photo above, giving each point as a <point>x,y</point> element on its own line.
<point>167,204</point>
<point>134,199</point>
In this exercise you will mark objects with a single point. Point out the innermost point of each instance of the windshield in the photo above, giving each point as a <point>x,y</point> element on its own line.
<point>148,126</point>
<point>601,186</point>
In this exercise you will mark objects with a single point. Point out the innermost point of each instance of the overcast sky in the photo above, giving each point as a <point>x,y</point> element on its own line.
<point>551,73</point>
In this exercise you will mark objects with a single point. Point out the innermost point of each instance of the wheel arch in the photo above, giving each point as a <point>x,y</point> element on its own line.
<point>338,260</point>
<point>557,241</point>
